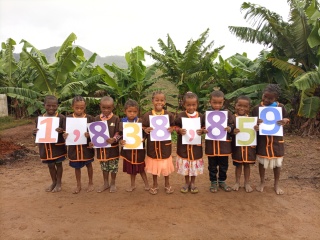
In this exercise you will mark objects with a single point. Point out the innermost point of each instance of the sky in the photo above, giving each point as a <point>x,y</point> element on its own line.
<point>114,27</point>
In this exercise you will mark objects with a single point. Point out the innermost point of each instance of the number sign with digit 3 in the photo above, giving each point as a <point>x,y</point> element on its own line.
<point>132,134</point>
<point>99,134</point>
<point>76,128</point>
<point>247,135</point>
<point>216,122</point>
<point>191,125</point>
<point>270,116</point>
<point>47,130</point>
<point>160,125</point>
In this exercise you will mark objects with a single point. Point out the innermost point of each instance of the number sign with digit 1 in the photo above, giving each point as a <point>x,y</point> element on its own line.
<point>47,130</point>
<point>76,128</point>
<point>99,134</point>
<point>247,135</point>
<point>216,122</point>
<point>132,134</point>
<point>270,116</point>
<point>160,125</point>
<point>191,125</point>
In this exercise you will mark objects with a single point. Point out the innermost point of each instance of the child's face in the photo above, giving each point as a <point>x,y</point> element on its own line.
<point>131,113</point>
<point>79,108</point>
<point>106,107</point>
<point>216,103</point>
<point>242,107</point>
<point>51,107</point>
<point>191,105</point>
<point>158,102</point>
<point>268,98</point>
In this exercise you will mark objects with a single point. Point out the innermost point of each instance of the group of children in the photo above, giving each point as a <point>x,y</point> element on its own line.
<point>155,158</point>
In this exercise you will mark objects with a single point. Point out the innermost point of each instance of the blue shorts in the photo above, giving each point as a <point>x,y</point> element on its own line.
<point>58,160</point>
<point>79,164</point>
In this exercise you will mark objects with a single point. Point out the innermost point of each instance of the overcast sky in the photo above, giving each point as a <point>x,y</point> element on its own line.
<point>114,27</point>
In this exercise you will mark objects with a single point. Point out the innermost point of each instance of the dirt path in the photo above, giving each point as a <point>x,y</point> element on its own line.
<point>28,212</point>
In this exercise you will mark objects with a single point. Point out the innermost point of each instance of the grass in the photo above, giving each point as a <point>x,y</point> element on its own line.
<point>11,122</point>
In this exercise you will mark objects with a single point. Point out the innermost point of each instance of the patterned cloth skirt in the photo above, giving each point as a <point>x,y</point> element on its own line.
<point>270,163</point>
<point>159,166</point>
<point>186,167</point>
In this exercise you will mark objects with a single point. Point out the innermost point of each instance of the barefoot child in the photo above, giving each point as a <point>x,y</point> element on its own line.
<point>218,151</point>
<point>270,149</point>
<point>53,154</point>
<point>81,155</point>
<point>158,159</point>
<point>242,156</point>
<point>109,157</point>
<point>189,160</point>
<point>133,159</point>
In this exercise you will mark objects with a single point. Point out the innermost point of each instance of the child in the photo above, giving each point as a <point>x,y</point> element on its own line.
<point>53,154</point>
<point>80,155</point>
<point>109,157</point>
<point>242,155</point>
<point>218,151</point>
<point>158,159</point>
<point>133,159</point>
<point>189,160</point>
<point>270,149</point>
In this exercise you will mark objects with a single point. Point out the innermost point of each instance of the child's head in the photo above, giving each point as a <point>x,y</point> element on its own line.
<point>190,102</point>
<point>270,94</point>
<point>216,99</point>
<point>51,105</point>
<point>106,105</point>
<point>242,106</point>
<point>78,106</point>
<point>131,109</point>
<point>158,100</point>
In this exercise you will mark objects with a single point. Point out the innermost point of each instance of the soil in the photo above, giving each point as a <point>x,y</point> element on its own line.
<point>28,212</point>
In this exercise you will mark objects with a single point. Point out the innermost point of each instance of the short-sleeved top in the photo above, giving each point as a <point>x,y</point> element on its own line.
<point>243,154</point>
<point>270,146</point>
<point>187,151</point>
<point>110,153</point>
<point>157,149</point>
<point>134,156</point>
<point>219,148</point>
<point>52,151</point>
<point>80,152</point>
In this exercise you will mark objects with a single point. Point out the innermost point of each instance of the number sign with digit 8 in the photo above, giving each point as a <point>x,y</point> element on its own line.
<point>99,133</point>
<point>216,122</point>
<point>160,125</point>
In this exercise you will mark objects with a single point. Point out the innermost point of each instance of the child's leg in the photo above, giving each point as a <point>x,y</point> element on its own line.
<point>53,175</point>
<point>105,186</point>
<point>276,172</point>
<point>59,170</point>
<point>133,183</point>
<point>154,189</point>
<point>213,170</point>
<point>145,180</point>
<point>113,187</point>
<point>185,187</point>
<point>246,170</point>
<point>262,172</point>
<point>167,186</point>
<point>90,176</point>
<point>223,168</point>
<point>78,178</point>
<point>238,171</point>
<point>193,187</point>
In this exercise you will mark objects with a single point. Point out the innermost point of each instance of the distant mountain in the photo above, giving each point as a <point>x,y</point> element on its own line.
<point>120,61</point>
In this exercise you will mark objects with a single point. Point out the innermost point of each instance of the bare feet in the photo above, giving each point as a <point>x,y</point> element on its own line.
<point>248,188</point>
<point>260,187</point>
<point>90,187</point>
<point>278,190</point>
<point>77,190</point>
<point>146,187</point>
<point>103,188</point>
<point>57,188</point>
<point>113,188</point>
<point>51,187</point>
<point>236,187</point>
<point>131,188</point>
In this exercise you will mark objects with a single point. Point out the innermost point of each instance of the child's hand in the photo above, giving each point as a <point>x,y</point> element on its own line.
<point>182,131</point>
<point>283,122</point>
<point>204,131</point>
<point>65,135</point>
<point>259,121</point>
<point>148,130</point>
<point>122,142</point>
<point>199,132</point>
<point>90,145</point>
<point>111,140</point>
<point>170,129</point>
<point>35,131</point>
<point>236,130</point>
<point>86,134</point>
<point>228,129</point>
<point>59,130</point>
<point>256,128</point>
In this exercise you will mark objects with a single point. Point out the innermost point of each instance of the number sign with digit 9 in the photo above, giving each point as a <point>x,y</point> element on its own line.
<point>270,116</point>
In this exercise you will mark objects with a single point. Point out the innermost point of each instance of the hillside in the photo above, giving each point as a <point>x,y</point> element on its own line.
<point>50,55</point>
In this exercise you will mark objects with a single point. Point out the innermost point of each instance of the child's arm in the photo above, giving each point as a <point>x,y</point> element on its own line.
<point>283,121</point>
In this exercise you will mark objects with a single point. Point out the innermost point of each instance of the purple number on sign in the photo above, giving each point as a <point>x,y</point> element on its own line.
<point>218,125</point>
<point>159,127</point>
<point>97,134</point>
